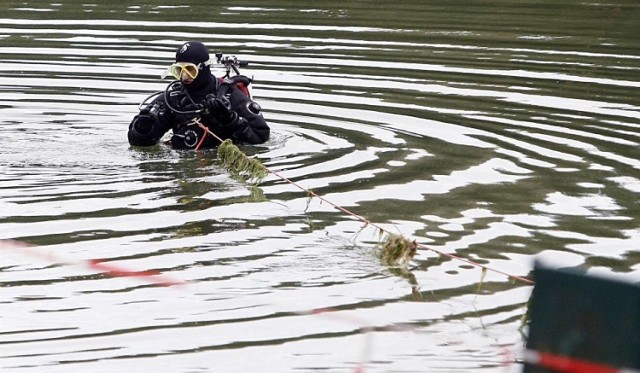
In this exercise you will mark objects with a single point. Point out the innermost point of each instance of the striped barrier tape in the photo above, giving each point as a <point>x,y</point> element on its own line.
<point>568,364</point>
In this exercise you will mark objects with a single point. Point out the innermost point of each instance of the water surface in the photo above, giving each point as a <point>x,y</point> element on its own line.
<point>500,132</point>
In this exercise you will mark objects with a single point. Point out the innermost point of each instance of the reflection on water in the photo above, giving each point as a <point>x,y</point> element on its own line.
<point>499,132</point>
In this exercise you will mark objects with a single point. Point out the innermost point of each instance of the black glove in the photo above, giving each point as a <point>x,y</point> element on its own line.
<point>143,124</point>
<point>220,110</point>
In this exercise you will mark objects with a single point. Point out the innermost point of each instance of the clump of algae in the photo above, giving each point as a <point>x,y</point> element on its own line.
<point>234,160</point>
<point>397,250</point>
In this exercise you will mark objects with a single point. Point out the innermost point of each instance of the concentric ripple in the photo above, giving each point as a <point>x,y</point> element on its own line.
<point>501,134</point>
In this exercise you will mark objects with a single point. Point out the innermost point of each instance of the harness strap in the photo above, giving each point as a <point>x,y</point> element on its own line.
<point>239,81</point>
<point>204,135</point>
<point>224,88</point>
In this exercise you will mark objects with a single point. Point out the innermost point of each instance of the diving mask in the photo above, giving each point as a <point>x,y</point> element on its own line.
<point>191,69</point>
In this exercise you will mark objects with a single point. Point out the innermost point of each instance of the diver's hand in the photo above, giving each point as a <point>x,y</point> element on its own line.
<point>220,109</point>
<point>143,124</point>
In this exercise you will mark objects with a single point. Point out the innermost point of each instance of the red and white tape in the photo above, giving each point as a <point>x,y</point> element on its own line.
<point>150,276</point>
<point>568,364</point>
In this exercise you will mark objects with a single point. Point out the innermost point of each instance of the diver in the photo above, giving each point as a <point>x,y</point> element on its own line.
<point>197,105</point>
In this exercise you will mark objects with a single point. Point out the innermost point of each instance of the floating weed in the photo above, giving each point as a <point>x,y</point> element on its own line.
<point>381,235</point>
<point>482,277</point>
<point>405,273</point>
<point>310,196</point>
<point>526,316</point>
<point>397,250</point>
<point>234,160</point>
<point>355,236</point>
<point>256,194</point>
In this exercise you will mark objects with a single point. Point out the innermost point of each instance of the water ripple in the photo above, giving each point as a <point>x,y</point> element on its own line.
<point>501,144</point>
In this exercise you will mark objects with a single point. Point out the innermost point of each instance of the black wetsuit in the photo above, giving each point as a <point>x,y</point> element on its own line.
<point>176,109</point>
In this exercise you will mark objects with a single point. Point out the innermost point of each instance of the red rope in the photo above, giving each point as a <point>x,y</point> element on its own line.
<point>368,222</point>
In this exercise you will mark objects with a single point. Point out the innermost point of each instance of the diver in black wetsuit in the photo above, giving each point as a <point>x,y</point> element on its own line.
<point>223,106</point>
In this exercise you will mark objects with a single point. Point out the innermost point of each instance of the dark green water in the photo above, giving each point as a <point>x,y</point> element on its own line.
<point>500,132</point>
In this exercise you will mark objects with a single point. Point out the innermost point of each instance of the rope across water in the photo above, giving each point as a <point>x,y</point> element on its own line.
<point>367,222</point>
